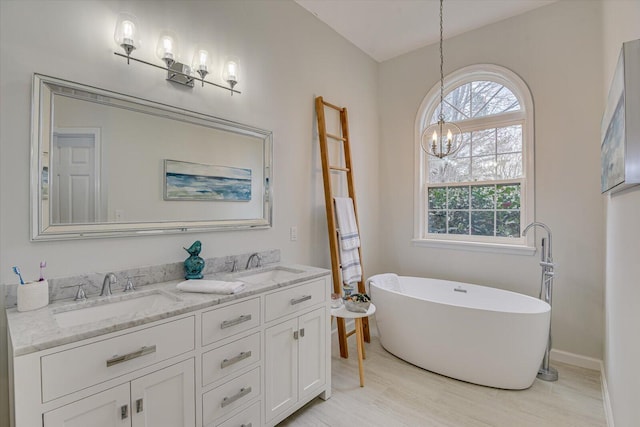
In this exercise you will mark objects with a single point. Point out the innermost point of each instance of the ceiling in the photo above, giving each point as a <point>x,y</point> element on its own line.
<point>387,28</point>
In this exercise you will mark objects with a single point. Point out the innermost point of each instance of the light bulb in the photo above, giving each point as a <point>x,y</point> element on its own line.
<point>449,136</point>
<point>201,60</point>
<point>434,138</point>
<point>167,48</point>
<point>126,32</point>
<point>232,71</point>
<point>168,45</point>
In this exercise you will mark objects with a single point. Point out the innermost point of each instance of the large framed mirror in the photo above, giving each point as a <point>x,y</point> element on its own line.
<point>105,164</point>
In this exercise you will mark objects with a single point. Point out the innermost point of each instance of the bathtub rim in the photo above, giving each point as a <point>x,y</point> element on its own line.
<point>538,302</point>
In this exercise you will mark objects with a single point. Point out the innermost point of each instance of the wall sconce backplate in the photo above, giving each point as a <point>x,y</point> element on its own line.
<point>179,73</point>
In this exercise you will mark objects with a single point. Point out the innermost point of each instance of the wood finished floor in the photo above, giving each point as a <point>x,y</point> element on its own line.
<point>397,393</point>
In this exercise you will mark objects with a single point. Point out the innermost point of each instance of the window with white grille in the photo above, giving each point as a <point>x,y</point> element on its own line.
<point>484,192</point>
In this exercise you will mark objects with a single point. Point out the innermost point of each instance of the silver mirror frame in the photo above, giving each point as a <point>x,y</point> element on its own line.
<point>40,231</point>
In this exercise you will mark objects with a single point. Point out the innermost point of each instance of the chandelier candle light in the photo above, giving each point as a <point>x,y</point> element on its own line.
<point>126,36</point>
<point>433,141</point>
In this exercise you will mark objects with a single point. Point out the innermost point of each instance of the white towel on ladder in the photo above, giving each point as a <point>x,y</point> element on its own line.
<point>346,218</point>
<point>350,265</point>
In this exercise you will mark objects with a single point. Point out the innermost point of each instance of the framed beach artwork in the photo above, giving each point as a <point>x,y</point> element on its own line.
<point>620,127</point>
<point>195,181</point>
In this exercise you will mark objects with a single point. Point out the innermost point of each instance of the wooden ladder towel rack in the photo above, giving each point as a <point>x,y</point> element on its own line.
<point>327,168</point>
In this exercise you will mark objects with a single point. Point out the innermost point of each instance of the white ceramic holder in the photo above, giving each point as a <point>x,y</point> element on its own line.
<point>33,295</point>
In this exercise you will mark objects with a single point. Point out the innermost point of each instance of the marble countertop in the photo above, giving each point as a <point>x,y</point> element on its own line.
<point>38,330</point>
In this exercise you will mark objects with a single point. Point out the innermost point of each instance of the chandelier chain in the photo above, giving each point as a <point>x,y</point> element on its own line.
<point>441,116</point>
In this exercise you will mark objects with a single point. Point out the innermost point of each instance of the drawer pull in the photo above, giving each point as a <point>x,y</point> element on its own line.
<point>241,319</point>
<point>228,362</point>
<point>245,425</point>
<point>301,299</point>
<point>229,400</point>
<point>124,412</point>
<point>133,355</point>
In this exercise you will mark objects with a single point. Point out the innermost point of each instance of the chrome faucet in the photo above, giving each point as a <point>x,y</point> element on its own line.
<point>109,278</point>
<point>251,257</point>
<point>545,372</point>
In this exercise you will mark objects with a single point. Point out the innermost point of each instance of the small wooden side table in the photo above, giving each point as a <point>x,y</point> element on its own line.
<point>346,314</point>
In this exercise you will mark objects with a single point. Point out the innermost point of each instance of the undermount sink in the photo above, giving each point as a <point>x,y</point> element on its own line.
<point>111,307</point>
<point>270,274</point>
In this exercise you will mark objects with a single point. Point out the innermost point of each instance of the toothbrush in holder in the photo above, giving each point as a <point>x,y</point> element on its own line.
<point>17,271</point>
<point>43,264</point>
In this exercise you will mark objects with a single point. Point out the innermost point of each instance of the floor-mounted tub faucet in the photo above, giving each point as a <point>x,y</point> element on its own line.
<point>545,372</point>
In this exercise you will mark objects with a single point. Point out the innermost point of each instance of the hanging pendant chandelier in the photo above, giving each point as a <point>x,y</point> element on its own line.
<point>441,139</point>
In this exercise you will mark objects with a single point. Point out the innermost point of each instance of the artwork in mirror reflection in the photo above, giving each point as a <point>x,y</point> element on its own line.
<point>194,181</point>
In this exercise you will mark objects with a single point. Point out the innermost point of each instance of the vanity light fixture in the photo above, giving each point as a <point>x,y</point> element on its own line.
<point>126,36</point>
<point>441,139</point>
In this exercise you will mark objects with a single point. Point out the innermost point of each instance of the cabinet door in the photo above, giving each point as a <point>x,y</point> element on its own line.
<point>109,408</point>
<point>311,350</point>
<point>165,398</point>
<point>281,367</point>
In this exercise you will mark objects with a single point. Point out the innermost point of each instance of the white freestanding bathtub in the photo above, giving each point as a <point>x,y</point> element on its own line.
<point>472,333</point>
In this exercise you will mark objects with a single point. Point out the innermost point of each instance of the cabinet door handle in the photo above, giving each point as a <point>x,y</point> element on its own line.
<point>229,323</point>
<point>129,356</point>
<point>301,332</point>
<point>229,400</point>
<point>228,362</point>
<point>301,299</point>
<point>245,425</point>
<point>295,335</point>
<point>124,412</point>
<point>139,406</point>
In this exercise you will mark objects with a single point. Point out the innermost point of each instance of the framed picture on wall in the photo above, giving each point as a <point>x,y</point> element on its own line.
<point>620,127</point>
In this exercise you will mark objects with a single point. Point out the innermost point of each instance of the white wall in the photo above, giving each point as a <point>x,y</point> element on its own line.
<point>287,57</point>
<point>621,22</point>
<point>556,50</point>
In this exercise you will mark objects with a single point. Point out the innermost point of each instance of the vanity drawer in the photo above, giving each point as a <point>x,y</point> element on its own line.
<point>230,396</point>
<point>81,367</point>
<point>250,417</point>
<point>223,322</point>
<point>230,358</point>
<point>293,299</point>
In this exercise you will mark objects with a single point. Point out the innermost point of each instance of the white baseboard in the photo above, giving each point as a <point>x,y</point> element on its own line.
<point>606,401</point>
<point>576,359</point>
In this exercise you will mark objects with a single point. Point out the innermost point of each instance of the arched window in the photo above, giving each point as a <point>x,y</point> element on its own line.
<point>483,194</point>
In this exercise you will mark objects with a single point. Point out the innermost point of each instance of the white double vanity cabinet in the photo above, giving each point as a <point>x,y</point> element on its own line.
<point>183,359</point>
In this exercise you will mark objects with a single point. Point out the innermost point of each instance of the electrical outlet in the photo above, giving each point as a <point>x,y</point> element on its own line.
<point>293,233</point>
